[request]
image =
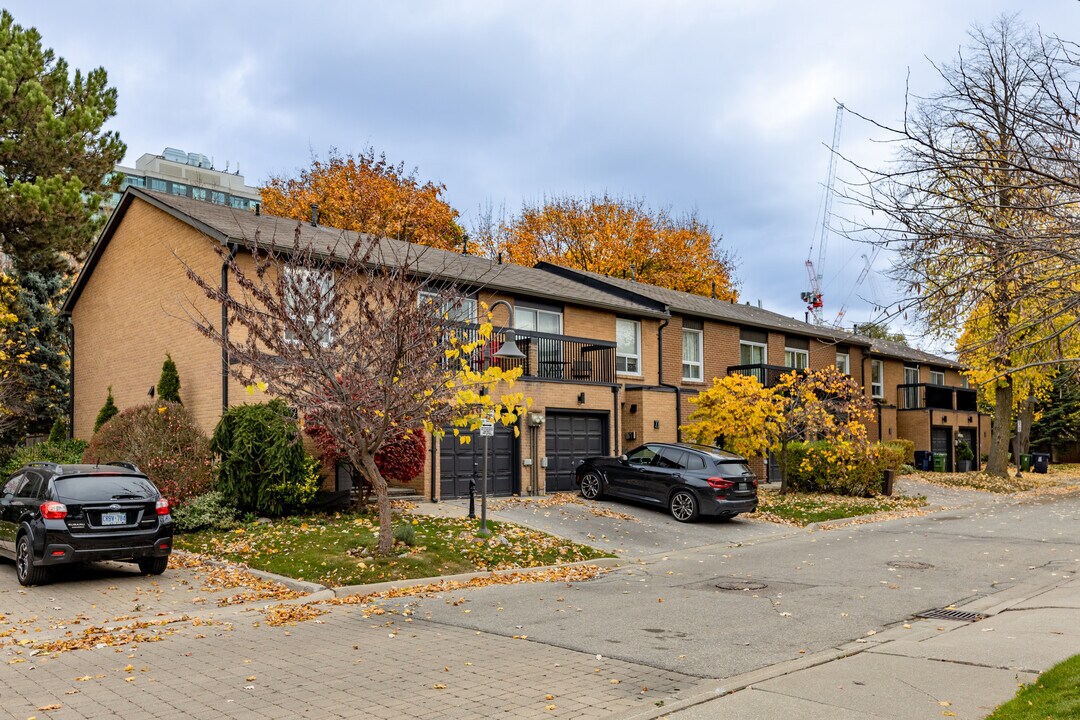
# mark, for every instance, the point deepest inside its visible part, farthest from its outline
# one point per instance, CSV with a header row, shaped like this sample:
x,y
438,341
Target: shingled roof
x,y
228,225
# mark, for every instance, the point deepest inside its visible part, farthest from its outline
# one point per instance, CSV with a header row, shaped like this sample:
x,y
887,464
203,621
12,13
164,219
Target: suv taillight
x,y
720,483
162,507
53,510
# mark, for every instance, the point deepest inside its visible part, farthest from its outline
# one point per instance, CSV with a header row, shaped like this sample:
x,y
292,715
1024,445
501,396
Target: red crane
x,y
813,297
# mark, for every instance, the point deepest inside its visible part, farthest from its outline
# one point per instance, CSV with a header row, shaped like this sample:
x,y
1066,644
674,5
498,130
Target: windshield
x,y
733,469
100,488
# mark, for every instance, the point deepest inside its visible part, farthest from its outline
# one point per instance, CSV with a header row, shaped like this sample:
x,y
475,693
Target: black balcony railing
x,y
767,375
927,396
547,356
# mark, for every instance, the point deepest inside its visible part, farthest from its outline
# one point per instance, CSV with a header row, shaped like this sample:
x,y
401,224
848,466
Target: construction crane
x,y
813,297
868,262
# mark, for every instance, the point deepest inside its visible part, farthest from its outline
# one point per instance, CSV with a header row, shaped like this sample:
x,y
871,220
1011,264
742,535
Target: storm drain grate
x,y
741,585
909,565
958,615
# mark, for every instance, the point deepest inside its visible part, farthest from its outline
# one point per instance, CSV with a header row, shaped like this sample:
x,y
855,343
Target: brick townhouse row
x,y
610,363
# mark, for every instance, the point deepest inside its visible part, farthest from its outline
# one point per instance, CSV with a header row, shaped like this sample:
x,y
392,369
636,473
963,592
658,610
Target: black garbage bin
x,y
923,460
1040,462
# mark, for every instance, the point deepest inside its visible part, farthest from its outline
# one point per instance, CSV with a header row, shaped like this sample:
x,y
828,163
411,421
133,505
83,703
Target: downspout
x,y
71,378
615,415
433,461
233,248
660,371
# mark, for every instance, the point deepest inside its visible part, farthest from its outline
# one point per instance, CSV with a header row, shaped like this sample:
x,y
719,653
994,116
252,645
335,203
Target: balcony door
x,y
549,351
911,394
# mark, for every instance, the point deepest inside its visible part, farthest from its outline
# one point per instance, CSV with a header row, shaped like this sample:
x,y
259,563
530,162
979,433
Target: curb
x,y
370,588
292,583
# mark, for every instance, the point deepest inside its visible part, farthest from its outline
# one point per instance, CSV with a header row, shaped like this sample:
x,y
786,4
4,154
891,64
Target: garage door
x,y
460,462
570,438
941,442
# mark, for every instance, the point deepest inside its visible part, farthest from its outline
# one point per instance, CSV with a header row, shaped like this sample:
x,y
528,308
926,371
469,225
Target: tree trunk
x,y
1027,419
1001,430
365,463
782,457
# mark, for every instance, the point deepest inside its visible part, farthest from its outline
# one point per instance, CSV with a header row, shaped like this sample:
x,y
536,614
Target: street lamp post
x,y
510,351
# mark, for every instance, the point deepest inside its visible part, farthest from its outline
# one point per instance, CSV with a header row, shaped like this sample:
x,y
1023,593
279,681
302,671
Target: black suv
x,y
53,514
690,480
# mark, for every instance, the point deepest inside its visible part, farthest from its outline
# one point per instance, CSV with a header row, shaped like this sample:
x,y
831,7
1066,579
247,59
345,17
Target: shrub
x,y
209,511
65,452
840,468
400,459
963,451
166,443
405,533
168,385
107,412
906,469
262,466
908,449
58,432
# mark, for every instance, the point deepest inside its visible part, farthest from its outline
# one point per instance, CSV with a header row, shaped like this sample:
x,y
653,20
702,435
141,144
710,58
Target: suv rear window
x,y
92,488
732,469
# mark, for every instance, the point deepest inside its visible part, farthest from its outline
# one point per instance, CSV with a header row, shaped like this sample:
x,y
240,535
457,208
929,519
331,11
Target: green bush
x,y
166,443
107,412
906,469
66,452
168,385
209,511
262,467
405,533
840,468
58,432
908,448
963,451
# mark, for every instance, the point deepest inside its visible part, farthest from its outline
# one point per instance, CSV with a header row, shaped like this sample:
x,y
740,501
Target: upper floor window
x,y
937,377
310,292
843,363
455,310
179,189
198,193
692,352
877,379
238,203
132,181
752,353
628,346
964,381
218,198
796,358
159,185
545,321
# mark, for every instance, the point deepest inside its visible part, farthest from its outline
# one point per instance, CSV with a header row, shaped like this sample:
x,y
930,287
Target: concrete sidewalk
x,y
926,668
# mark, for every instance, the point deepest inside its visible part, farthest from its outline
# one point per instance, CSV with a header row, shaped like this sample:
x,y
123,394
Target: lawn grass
x,y
804,508
336,549
1055,695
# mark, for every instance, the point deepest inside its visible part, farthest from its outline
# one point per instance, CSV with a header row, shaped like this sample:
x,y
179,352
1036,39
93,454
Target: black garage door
x,y
570,438
941,442
460,462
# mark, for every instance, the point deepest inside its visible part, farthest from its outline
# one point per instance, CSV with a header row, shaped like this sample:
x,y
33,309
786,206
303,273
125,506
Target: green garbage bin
x,y
1025,462
939,462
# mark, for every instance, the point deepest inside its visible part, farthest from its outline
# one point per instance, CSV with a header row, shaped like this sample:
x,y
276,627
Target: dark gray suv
x,y
52,514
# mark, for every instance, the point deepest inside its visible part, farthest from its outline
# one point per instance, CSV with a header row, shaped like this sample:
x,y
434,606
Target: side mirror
x,y
622,458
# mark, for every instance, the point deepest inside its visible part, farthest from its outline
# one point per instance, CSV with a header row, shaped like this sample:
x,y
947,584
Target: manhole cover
x,y
946,614
909,565
741,585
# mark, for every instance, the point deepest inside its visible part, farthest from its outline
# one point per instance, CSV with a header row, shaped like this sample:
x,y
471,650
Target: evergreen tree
x,y
59,431
1059,420
41,381
107,411
168,386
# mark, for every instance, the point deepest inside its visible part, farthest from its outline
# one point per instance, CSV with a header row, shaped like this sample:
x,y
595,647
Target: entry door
x,y
569,439
461,462
941,442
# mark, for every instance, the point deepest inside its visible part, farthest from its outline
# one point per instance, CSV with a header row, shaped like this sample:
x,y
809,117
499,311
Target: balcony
x,y
560,358
767,375
927,396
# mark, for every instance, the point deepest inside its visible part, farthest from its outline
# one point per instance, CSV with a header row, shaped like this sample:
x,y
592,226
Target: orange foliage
x,y
366,193
619,237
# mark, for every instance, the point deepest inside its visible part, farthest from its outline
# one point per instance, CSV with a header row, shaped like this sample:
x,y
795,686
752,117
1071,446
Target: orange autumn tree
x,y
367,193
616,236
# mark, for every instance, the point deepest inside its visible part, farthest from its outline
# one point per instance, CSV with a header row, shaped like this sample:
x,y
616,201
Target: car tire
x,y
27,573
683,506
153,565
592,486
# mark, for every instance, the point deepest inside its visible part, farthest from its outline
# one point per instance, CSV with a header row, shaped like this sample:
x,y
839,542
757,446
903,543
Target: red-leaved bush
x,y
400,459
164,441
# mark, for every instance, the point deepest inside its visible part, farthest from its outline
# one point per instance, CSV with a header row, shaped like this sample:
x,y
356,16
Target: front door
x,y
941,442
667,473
969,436
629,478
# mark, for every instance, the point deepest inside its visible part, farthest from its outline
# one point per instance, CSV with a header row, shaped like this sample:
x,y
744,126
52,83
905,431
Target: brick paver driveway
x,y
194,658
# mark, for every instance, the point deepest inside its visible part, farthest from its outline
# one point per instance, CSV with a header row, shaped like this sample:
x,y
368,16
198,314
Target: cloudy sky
x,y
722,106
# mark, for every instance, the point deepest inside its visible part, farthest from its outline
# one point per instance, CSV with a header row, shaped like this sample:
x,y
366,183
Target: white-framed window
x,y
796,358
461,310
693,342
843,363
545,321
964,382
628,346
752,353
877,379
911,394
317,289
937,377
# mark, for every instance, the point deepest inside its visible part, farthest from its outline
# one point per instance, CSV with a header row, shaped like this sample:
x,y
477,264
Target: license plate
x,y
743,487
114,518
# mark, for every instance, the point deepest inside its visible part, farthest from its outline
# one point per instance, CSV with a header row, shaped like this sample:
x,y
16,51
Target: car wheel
x,y
153,565
592,487
683,506
25,570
